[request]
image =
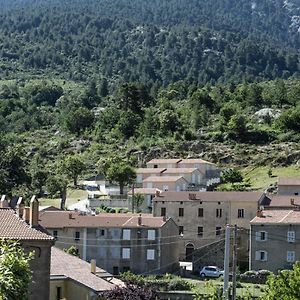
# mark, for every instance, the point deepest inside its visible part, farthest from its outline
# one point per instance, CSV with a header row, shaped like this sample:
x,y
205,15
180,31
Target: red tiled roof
x,y
164,161
289,181
12,227
194,161
278,217
209,196
283,201
150,170
63,264
61,219
179,170
163,179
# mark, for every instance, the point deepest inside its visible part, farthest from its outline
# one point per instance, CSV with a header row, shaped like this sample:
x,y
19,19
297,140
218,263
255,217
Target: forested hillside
x,y
88,81
153,42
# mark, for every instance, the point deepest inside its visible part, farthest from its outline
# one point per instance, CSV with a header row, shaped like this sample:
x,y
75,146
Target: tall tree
x,y
15,273
72,166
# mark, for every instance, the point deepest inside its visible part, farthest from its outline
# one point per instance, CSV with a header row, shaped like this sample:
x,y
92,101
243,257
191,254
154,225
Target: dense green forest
x,y
82,80
152,42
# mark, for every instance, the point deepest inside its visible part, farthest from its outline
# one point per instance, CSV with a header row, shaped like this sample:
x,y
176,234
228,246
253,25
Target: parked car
x,y
211,271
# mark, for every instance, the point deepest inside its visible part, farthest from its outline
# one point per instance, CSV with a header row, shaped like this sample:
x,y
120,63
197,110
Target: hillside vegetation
x,y
84,81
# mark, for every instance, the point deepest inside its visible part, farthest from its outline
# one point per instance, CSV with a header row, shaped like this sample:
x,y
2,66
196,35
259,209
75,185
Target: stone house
x,y
164,163
143,173
79,280
22,225
118,242
192,175
274,240
289,186
202,216
166,183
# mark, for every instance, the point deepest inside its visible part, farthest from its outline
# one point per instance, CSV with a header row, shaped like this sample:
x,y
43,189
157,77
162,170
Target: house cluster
x,y
163,175
185,223
55,274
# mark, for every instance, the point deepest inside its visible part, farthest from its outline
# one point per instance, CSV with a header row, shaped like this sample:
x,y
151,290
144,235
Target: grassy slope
x,y
259,176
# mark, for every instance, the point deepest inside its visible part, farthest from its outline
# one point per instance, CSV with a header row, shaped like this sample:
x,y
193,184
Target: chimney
x,y
34,212
292,202
192,196
93,266
4,202
20,207
157,193
70,216
165,218
26,214
140,220
259,213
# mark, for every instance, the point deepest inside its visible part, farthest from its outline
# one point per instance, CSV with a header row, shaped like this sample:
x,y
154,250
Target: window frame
x,y
152,256
127,252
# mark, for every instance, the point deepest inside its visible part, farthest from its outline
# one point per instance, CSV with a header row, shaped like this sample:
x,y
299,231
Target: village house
x,y
164,163
143,173
118,242
72,278
274,240
202,216
289,186
22,225
274,201
166,183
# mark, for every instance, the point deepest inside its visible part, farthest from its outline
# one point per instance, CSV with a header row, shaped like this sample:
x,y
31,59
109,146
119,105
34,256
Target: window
x,y
218,230
200,231
180,229
290,256
102,232
77,236
151,235
261,255
200,212
241,213
261,236
291,236
165,188
181,211
126,234
55,233
155,166
126,253
150,254
219,212
163,211
115,270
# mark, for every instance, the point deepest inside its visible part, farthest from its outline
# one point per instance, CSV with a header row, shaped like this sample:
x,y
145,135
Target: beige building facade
x,y
202,216
118,242
166,183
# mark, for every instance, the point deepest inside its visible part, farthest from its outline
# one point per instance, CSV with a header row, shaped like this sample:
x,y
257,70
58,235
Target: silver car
x,y
211,271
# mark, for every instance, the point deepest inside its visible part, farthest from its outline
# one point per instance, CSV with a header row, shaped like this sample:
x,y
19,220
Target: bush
x,y
179,285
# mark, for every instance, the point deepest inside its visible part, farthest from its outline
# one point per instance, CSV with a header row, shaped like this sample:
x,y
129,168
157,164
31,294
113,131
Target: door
x,y
189,249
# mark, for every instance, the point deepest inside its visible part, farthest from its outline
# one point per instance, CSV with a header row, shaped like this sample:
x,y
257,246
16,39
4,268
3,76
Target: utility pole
x,y
234,263
226,262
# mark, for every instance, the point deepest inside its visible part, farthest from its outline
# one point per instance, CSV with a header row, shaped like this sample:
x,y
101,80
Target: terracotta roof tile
x,y
289,181
63,264
164,161
163,179
179,170
61,219
283,201
278,217
150,170
12,227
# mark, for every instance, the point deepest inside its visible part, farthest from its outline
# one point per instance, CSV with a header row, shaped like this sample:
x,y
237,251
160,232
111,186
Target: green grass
x,y
260,180
73,196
